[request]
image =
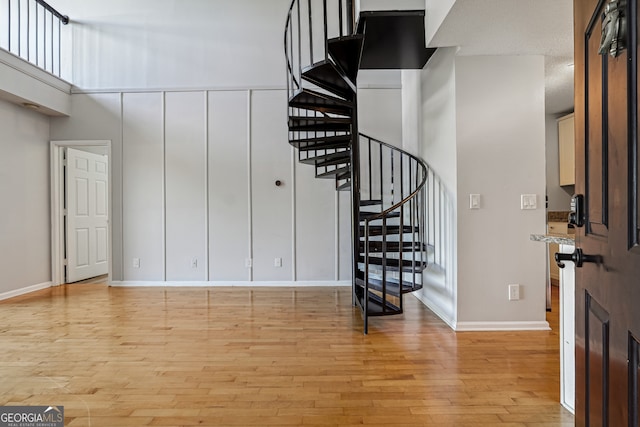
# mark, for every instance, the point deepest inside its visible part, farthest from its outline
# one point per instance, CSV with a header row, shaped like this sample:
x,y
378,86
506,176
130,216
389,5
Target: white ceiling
x,y
517,27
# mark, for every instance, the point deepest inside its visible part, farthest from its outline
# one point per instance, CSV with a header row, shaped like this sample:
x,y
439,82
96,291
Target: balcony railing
x,y
32,30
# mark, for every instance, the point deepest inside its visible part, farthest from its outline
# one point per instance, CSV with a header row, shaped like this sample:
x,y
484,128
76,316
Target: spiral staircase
x,y
387,184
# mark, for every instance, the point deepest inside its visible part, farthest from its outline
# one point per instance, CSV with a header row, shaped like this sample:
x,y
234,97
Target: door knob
x,y
578,258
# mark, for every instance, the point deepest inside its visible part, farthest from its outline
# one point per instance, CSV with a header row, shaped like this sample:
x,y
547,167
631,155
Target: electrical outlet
x,y
136,263
277,262
248,263
514,292
194,262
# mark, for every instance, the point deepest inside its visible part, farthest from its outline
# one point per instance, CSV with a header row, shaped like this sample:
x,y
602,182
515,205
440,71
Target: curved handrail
x,y
64,19
413,194
286,51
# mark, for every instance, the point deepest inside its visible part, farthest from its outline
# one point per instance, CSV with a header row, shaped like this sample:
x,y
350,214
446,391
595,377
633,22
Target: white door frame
x,y
57,214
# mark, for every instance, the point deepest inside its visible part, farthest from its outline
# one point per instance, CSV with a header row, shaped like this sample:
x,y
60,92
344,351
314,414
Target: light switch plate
x,y
528,201
474,201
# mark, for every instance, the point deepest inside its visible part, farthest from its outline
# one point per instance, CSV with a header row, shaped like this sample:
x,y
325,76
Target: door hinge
x,y
65,262
64,162
64,212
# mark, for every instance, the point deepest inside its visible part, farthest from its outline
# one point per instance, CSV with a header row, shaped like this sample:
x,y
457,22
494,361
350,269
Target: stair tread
x,y
392,285
345,174
347,53
325,75
333,173
394,263
328,144
317,101
370,202
375,306
377,230
319,123
366,215
330,159
375,246
310,140
344,186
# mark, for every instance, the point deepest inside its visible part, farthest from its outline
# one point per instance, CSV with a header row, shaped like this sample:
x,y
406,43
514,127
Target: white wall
x,y
175,44
436,12
21,82
559,197
24,189
380,114
192,96
482,130
194,178
500,137
436,98
98,117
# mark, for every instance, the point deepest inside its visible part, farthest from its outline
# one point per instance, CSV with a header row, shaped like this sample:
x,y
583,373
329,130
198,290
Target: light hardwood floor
x,y
266,357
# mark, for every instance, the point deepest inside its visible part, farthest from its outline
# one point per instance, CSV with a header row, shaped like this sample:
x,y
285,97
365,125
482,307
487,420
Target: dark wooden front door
x,y
608,285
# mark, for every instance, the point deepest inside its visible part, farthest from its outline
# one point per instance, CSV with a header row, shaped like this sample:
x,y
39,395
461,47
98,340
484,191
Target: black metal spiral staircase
x,y
387,184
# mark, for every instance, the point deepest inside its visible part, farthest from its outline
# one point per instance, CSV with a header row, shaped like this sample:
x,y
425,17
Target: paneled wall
x,y
194,194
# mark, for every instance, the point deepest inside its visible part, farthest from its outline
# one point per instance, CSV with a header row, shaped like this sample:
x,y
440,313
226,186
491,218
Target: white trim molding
x,y
22,291
502,326
57,214
217,284
436,310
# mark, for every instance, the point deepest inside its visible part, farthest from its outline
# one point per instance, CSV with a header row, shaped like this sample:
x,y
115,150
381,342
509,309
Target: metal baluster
x,y
384,263
412,224
381,175
393,194
423,231
287,47
37,38
340,16
299,47
401,225
310,33
59,49
44,40
51,43
365,302
326,38
9,24
19,29
369,171
28,30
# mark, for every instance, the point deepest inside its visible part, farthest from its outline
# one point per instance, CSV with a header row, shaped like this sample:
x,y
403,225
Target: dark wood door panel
x,y
607,292
596,362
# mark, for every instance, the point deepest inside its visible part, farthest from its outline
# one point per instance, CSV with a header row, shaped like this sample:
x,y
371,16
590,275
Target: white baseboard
x,y
445,317
272,284
503,326
22,291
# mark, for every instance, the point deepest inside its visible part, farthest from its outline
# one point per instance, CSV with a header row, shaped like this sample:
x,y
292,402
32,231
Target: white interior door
x,y
86,201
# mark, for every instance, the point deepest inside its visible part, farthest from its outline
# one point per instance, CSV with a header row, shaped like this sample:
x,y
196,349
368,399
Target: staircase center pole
x,y
355,195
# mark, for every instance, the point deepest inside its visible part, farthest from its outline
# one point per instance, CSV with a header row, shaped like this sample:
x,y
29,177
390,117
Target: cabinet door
x,y
566,150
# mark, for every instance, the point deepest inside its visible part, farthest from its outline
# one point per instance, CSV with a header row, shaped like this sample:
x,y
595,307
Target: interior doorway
x,y
80,210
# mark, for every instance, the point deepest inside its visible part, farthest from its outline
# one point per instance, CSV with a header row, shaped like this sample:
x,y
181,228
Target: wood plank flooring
x,y
266,357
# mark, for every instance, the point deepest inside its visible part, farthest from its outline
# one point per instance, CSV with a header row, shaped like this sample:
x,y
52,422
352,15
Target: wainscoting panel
x,y
229,233
142,190
185,170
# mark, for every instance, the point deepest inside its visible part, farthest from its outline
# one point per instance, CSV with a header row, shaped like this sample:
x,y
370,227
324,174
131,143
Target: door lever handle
x,y
578,258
